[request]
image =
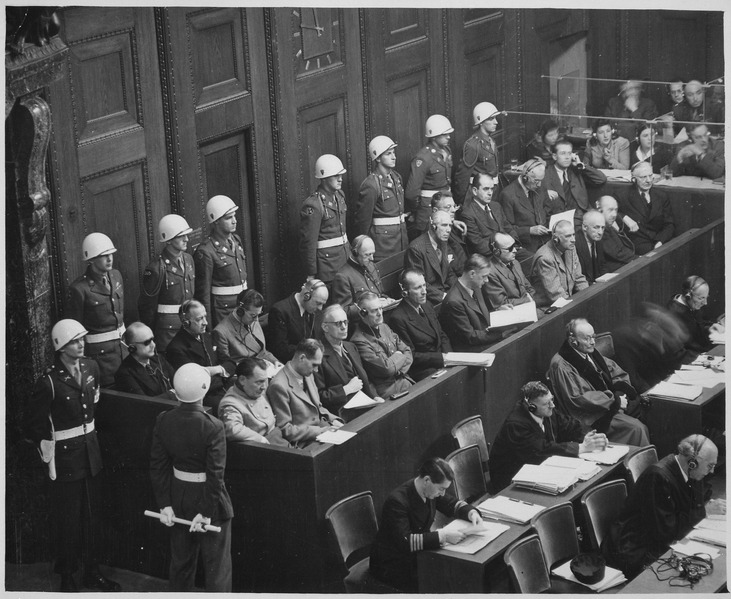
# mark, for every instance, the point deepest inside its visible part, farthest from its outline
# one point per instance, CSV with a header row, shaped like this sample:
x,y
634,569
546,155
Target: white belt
x,y
70,433
331,243
189,477
233,290
168,308
389,220
114,335
427,193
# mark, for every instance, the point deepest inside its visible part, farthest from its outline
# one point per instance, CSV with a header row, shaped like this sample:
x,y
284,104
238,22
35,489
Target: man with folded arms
x,y
594,389
534,431
506,284
618,248
341,374
415,321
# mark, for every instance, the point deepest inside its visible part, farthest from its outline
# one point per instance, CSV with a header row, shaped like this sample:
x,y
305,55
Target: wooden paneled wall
x,y
162,108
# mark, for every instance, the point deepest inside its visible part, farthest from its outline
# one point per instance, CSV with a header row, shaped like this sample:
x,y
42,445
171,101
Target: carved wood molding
x,y
364,74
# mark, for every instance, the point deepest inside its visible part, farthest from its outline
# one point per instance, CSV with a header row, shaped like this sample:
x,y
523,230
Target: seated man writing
x,y
144,371
534,431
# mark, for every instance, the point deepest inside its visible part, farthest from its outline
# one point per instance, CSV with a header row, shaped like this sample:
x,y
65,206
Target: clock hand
x,y
318,29
317,23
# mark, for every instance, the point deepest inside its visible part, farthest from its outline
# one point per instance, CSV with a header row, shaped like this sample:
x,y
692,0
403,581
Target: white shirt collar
x,y
682,471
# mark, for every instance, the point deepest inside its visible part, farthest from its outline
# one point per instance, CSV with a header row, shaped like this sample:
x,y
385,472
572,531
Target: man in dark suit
x,y
187,462
506,283
465,313
415,321
484,217
341,374
524,204
144,371
646,211
618,247
192,343
293,319
589,246
567,179
429,253
443,201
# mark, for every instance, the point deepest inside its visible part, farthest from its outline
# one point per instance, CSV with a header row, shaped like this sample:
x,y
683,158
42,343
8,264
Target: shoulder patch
x,y
419,163
308,210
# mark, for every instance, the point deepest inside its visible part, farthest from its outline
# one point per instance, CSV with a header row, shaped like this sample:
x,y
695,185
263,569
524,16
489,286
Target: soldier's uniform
x,y
187,462
379,213
431,170
97,302
62,409
479,155
165,285
220,270
323,240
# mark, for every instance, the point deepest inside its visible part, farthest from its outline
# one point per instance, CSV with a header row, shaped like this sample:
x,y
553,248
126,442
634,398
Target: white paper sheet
x,y
566,215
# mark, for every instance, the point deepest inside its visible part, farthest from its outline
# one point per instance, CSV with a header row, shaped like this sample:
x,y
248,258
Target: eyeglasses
x,y
513,248
146,342
338,323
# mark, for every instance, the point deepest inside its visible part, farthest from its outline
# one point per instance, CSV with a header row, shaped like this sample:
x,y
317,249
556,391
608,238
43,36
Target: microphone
x,y
717,80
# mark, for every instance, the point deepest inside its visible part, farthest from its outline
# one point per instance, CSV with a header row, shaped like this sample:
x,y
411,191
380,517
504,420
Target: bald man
x,y
668,499
144,371
506,284
589,246
618,247
695,107
555,270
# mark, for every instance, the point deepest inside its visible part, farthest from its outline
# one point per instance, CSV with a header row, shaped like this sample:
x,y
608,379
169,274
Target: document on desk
x,y
689,547
606,277
456,358
611,578
583,469
705,377
478,535
509,509
360,400
561,302
675,391
521,314
565,215
617,174
611,454
336,437
706,535
545,479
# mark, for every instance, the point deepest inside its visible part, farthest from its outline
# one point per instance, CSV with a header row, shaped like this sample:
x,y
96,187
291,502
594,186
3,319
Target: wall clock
x,y
316,35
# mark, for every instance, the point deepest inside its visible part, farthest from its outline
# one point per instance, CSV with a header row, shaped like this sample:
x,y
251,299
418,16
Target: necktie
x,y
566,186
439,254
105,282
420,311
309,324
483,307
230,243
77,374
646,196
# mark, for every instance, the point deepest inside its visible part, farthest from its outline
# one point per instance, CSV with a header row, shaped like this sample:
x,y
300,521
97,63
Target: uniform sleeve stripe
x,y
416,542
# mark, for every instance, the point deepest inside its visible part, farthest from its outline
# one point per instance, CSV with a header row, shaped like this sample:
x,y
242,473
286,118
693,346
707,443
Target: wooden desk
x,y
647,582
442,571
670,420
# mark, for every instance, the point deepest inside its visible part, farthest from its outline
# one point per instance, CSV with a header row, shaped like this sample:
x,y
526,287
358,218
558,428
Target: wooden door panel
x,y
404,26
408,110
322,130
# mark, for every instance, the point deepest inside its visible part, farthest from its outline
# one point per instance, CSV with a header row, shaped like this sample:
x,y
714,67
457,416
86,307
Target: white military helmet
x,y
172,226
65,331
484,111
328,165
219,206
379,145
191,382
437,125
95,245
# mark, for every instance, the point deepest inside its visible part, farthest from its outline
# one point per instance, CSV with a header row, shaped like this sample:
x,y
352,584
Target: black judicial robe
x,y
661,508
697,327
521,441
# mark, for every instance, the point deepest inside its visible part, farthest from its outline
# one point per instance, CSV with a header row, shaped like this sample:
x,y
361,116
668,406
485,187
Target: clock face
x,y
316,35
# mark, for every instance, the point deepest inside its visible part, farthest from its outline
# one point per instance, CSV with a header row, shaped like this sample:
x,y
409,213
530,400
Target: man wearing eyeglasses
x,y
506,283
668,499
594,389
144,371
341,374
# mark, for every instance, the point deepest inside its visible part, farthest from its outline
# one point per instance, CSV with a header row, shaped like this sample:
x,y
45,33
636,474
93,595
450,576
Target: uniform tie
x,y
77,374
646,196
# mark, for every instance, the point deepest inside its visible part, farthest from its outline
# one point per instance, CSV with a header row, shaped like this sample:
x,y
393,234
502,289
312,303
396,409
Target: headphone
x,y
594,140
131,347
692,283
184,307
402,283
367,295
693,460
691,568
357,244
310,287
532,408
530,166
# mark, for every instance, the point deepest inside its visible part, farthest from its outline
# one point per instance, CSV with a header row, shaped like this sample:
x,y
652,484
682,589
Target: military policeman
x,y
168,281
60,419
379,211
479,154
431,170
220,263
187,461
323,240
96,299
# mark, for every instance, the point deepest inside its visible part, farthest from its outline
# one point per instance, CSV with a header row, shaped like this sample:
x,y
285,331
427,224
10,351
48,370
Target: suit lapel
x,y
332,358
431,255
298,391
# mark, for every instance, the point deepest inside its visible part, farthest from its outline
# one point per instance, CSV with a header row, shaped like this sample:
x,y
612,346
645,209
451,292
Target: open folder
x,y
521,314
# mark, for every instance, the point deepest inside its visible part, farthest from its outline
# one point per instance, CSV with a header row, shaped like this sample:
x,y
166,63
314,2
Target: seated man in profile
x,y
415,321
465,313
663,506
594,389
618,247
506,284
702,157
341,374
144,371
294,398
385,357
358,275
589,246
534,431
555,270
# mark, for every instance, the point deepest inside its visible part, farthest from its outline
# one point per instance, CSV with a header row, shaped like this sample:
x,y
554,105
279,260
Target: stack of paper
x,y
583,469
617,174
455,358
509,509
704,377
707,361
611,578
478,535
545,479
709,531
567,215
689,547
606,277
361,401
611,454
521,314
667,390
336,437
561,302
